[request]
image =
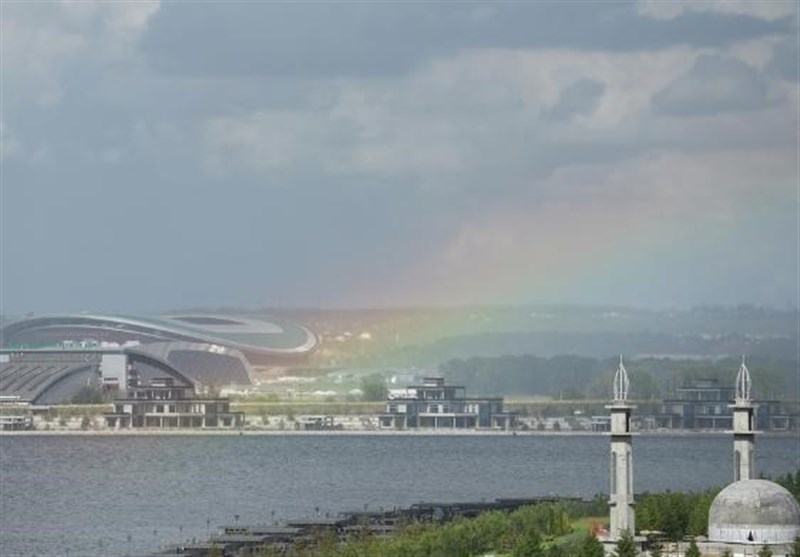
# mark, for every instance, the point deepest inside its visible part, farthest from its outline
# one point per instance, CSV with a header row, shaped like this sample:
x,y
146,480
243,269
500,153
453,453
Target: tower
x,y
744,442
620,502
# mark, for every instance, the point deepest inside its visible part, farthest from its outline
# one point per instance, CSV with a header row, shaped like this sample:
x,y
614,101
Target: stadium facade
x,y
46,359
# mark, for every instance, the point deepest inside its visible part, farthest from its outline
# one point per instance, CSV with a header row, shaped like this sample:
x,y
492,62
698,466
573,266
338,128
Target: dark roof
x,y
28,380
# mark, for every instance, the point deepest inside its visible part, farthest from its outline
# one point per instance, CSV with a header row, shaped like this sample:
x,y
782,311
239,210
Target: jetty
x,y
241,540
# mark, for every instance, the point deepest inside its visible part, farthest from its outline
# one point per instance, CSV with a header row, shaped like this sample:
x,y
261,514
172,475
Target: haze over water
x,y
84,495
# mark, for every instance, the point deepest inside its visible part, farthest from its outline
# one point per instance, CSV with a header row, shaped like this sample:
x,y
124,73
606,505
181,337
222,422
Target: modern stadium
x,y
212,350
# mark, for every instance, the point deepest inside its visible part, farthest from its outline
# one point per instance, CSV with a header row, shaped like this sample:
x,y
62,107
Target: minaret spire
x,y
621,383
743,384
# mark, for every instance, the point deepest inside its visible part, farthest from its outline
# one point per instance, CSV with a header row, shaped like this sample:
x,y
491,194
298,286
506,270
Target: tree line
x,y
579,377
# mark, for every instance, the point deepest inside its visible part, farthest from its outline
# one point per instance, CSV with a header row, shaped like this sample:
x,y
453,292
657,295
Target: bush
x,y
529,546
693,550
374,388
626,547
86,421
591,547
655,550
88,395
676,514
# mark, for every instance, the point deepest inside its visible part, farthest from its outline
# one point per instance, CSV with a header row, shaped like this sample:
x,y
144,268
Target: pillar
x,y
744,438
621,502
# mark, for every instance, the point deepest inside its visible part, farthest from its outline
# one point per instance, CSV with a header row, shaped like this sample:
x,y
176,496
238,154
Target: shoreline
x,y
143,432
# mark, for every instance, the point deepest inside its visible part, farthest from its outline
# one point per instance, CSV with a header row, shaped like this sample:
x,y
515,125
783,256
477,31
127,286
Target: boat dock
x,y
240,540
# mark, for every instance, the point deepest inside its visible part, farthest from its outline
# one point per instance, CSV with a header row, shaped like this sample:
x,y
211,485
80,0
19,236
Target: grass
x,y
580,528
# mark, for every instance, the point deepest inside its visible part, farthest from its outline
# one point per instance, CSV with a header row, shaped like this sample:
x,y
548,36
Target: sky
x,y
170,155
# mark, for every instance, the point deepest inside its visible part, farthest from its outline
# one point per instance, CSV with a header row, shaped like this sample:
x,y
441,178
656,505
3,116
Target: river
x,y
115,495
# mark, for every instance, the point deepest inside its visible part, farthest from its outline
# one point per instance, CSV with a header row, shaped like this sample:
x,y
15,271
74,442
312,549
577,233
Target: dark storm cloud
x,y
256,153
331,39
714,85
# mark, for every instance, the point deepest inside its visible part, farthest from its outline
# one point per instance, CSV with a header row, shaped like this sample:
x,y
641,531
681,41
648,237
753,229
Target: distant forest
x,y
579,377
594,345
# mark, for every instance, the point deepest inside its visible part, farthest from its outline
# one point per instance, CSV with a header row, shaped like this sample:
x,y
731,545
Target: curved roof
x,y
28,381
754,510
48,377
244,333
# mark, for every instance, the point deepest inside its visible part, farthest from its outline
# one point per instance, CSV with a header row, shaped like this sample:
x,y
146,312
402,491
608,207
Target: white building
x,y
744,517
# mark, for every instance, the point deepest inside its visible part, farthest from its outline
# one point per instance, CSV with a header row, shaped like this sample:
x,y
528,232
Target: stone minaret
x,y
744,443
621,489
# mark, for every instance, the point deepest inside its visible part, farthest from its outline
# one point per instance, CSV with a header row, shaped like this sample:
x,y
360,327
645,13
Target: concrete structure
x,y
44,377
621,503
754,512
28,373
438,406
219,347
15,423
159,396
750,513
745,516
744,445
700,404
705,404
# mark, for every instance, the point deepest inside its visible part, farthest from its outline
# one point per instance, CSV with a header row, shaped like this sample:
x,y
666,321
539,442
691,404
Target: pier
x,y
240,540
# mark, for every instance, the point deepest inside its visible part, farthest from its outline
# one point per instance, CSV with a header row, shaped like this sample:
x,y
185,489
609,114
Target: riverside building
x,y
168,400
704,404
435,405
215,350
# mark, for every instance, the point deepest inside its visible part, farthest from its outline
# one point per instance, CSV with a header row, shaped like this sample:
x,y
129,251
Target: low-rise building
x,y
168,400
16,423
438,406
705,404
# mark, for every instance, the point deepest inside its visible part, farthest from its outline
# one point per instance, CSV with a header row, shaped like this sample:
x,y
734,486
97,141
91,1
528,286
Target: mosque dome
x,y
759,511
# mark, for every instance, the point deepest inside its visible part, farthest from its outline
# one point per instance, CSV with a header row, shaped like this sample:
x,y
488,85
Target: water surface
x,y
113,495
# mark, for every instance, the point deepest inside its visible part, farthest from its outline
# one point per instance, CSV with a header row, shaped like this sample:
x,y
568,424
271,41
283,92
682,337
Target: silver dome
x,y
756,511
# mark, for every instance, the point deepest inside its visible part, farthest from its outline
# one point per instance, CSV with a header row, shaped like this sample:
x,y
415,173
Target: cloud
x,y
579,98
714,85
13,149
691,204
497,119
10,146
44,42
769,10
319,40
444,140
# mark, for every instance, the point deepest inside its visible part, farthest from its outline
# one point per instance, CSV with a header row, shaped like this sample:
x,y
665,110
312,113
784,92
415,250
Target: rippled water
x,y
106,495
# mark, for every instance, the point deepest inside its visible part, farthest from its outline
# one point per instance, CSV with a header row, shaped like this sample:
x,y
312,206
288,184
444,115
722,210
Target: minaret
x,y
744,442
621,489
